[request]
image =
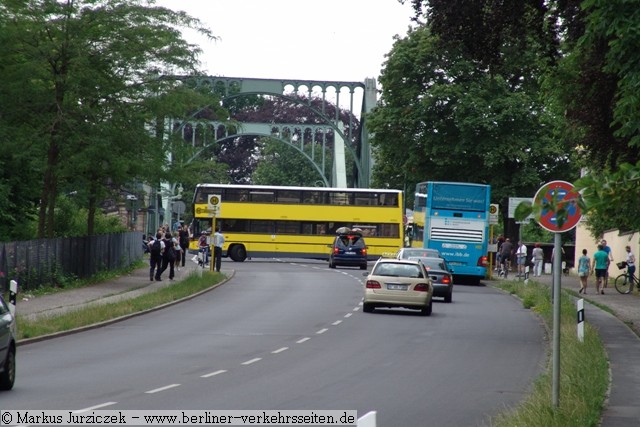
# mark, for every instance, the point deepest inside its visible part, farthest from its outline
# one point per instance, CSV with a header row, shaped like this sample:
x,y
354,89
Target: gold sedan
x,y
398,283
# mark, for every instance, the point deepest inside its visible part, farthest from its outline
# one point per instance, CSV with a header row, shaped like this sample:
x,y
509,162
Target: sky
x,y
336,40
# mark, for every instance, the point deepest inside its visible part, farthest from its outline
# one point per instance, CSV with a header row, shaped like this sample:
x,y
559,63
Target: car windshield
x,y
433,264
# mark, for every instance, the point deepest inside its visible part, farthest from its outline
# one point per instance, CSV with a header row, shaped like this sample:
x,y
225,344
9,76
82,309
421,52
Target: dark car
x,y
7,347
440,274
348,249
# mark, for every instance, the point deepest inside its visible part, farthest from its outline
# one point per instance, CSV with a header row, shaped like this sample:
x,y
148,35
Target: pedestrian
x,y
218,242
183,238
505,256
584,266
600,268
631,265
537,257
156,249
521,258
499,242
607,249
203,245
178,250
168,256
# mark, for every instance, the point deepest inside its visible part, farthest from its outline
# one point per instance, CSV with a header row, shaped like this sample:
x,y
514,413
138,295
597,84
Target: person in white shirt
x,y
218,242
631,264
521,258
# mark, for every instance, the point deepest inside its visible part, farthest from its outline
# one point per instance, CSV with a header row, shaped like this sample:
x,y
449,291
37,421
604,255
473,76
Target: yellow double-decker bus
x,y
296,222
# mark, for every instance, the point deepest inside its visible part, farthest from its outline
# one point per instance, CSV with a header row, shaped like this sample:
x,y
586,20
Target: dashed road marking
x,y
249,362
280,350
91,408
211,374
167,387
300,341
322,331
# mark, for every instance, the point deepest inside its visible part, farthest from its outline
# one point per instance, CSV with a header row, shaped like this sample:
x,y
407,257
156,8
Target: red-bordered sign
x,y
566,197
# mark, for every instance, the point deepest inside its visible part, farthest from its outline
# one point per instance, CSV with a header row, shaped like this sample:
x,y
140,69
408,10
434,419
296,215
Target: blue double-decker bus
x,y
453,217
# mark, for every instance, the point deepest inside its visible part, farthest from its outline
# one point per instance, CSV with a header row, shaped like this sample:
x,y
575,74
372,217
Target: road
x,y
292,335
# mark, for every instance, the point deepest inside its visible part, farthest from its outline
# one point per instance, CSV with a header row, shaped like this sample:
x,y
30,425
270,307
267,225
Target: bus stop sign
x,y
563,195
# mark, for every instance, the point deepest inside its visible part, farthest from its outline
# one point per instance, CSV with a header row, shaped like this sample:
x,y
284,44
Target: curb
x,y
27,341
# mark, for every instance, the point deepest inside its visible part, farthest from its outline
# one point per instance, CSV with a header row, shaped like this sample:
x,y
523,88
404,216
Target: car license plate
x,y
350,253
393,287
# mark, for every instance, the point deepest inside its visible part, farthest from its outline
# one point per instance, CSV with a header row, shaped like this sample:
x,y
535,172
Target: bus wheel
x,y
238,253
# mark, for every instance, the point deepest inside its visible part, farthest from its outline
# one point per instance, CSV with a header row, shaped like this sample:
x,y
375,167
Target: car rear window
x,y
397,270
344,241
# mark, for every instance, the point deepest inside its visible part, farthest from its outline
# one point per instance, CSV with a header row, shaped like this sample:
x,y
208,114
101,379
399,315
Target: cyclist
x,y
631,264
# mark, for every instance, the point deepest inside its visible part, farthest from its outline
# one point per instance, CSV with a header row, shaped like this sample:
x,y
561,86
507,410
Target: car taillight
x,y
336,250
364,251
373,284
446,280
421,287
483,261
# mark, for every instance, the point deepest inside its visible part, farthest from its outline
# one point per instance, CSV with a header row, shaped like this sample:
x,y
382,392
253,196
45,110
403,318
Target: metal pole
x,y
557,270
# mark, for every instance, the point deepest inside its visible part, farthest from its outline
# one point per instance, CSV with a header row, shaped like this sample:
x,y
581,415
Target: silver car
x,y
7,347
406,253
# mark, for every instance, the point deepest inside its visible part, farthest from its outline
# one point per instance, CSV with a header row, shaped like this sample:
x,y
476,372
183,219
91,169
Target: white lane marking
x,y
300,341
249,362
337,322
356,308
102,405
322,331
348,315
167,387
210,374
280,350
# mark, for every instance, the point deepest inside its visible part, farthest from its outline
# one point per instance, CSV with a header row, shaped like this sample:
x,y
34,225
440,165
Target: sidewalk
x,y
619,333
127,286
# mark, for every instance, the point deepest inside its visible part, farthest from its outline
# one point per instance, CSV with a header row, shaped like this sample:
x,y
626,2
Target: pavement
x,y
619,331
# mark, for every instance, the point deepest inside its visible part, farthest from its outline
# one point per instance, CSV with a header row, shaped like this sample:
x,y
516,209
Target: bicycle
x,y
623,283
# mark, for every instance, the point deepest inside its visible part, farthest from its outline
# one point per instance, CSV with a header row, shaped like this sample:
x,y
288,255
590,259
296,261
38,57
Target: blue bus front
x,y
457,224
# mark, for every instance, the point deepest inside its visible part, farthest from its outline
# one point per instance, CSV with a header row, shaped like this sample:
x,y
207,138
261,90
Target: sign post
x,y
214,203
494,208
557,211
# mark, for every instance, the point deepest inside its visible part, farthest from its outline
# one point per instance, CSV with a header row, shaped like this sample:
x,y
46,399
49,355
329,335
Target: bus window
x,y
288,196
262,196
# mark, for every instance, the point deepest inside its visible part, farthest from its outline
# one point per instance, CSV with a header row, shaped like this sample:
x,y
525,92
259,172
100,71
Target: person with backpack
x,y
169,255
184,242
156,248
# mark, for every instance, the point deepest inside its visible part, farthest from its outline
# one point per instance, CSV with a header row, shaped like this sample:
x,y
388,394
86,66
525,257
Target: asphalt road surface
x,y
292,335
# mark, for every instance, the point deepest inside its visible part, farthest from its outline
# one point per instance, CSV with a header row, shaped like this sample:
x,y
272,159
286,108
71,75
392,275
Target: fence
x,y
36,263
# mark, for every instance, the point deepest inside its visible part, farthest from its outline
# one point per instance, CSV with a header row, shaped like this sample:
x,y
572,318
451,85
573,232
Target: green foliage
x,y
443,117
81,87
612,199
281,164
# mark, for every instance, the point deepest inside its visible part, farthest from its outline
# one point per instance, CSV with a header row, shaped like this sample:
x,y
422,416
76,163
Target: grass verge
x,y
584,369
193,284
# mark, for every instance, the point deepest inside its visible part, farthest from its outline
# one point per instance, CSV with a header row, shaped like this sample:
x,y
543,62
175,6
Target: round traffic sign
x,y
493,209
551,198
214,200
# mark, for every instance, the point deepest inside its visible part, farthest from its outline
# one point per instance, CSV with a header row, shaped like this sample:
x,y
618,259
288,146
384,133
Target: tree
x,y
281,164
79,75
442,116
